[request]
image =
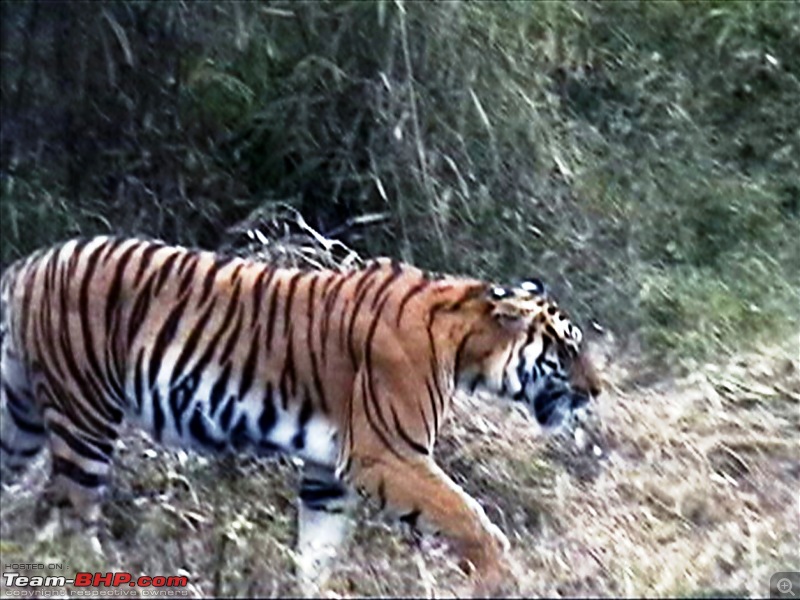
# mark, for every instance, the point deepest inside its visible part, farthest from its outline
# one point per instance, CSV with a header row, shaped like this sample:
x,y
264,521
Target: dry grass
x,y
695,493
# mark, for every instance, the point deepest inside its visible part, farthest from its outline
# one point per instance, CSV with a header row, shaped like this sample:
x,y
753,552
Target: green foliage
x,y
641,157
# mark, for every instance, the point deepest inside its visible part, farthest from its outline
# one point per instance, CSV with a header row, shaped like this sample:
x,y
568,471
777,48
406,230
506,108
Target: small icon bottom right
x,y
785,584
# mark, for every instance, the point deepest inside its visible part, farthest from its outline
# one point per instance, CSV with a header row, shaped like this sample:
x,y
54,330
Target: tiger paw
x,y
498,583
499,538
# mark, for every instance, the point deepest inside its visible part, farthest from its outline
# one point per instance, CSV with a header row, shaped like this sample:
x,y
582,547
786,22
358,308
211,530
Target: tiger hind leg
x,y
81,463
324,522
22,431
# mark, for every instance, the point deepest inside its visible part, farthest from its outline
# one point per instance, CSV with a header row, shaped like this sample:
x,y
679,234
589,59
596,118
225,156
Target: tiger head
x,y
529,350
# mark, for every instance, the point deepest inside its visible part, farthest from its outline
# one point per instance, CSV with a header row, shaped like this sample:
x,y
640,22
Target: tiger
x,y
351,371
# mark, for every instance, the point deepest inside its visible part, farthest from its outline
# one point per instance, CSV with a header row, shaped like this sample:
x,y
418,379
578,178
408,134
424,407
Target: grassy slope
x,y
694,494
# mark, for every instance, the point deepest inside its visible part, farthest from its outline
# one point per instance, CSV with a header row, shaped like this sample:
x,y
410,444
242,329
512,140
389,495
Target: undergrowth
x,y
641,157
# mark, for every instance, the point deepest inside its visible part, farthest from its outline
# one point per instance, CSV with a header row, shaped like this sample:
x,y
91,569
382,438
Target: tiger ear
x,y
507,312
533,286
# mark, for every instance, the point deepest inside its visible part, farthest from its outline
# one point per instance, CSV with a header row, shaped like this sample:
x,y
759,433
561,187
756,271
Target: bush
x,y
640,157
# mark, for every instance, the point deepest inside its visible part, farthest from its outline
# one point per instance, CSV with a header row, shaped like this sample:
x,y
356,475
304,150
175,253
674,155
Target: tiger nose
x,y
578,400
585,379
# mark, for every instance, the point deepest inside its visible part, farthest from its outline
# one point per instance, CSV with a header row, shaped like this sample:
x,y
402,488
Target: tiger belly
x,y
209,420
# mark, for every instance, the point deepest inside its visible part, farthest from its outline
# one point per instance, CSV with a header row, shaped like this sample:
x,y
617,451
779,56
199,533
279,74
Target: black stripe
x,y
331,278
236,276
318,387
165,335
434,366
381,435
288,381
87,389
312,288
197,429
316,494
233,337
404,434
158,415
144,261
273,306
76,474
74,258
366,275
24,453
330,302
432,402
310,345
472,292
460,354
424,418
287,309
411,518
188,277
208,283
248,370
180,398
111,246
25,425
240,436
164,271
410,294
112,298
511,355
382,494
227,414
395,274
138,381
354,317
226,322
219,389
15,401
102,453
188,257
191,343
258,291
368,344
220,262
208,353
299,440
267,419
139,310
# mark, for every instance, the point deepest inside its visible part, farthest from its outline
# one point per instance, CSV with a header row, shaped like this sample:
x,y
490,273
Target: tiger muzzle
x,y
557,403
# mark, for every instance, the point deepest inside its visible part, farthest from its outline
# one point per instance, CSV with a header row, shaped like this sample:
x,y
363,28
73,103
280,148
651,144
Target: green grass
x,y
641,157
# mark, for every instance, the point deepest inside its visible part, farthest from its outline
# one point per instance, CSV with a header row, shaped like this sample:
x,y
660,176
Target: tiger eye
x,y
498,293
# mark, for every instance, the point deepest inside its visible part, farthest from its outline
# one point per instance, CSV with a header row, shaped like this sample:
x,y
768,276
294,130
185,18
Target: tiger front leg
x,y
421,493
324,523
